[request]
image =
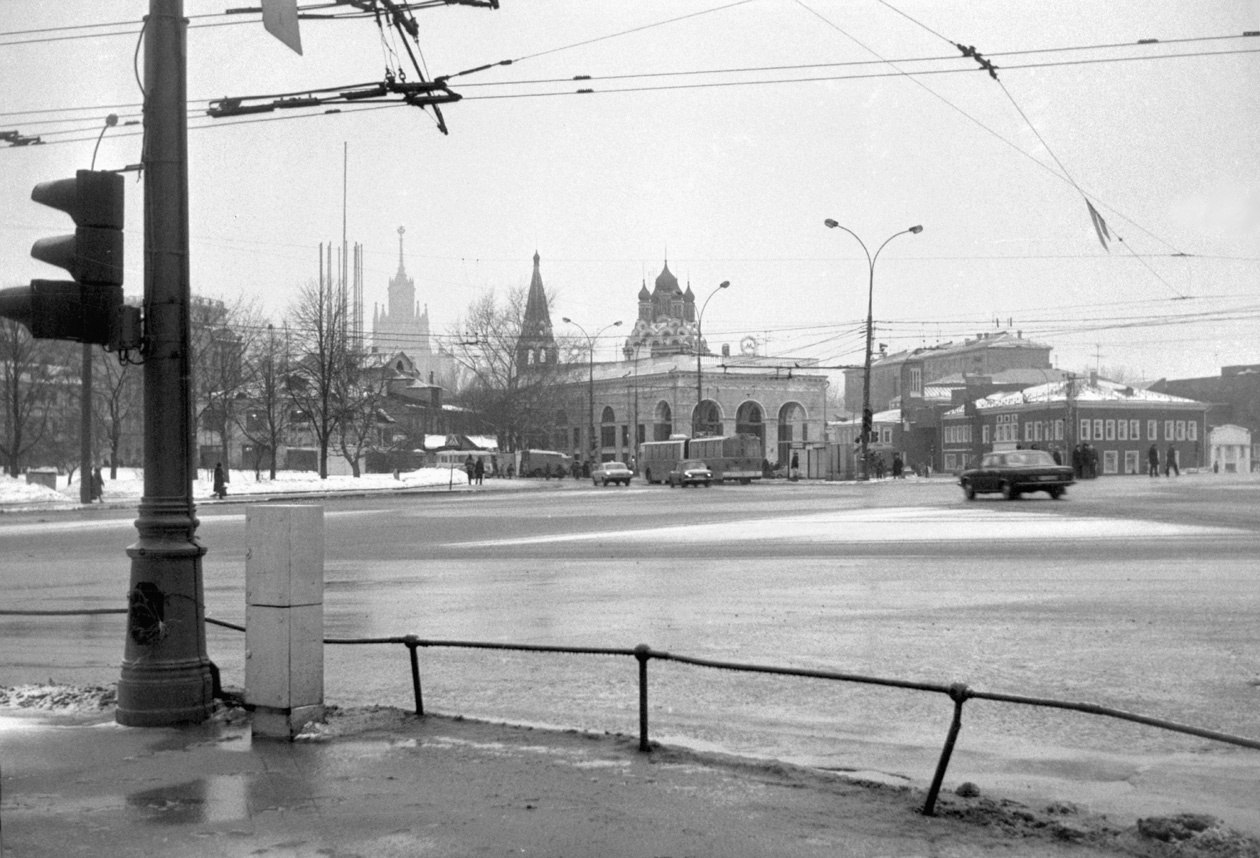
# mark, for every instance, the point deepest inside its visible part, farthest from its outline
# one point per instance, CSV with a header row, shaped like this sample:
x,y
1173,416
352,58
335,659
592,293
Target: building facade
x,y
1119,422
668,383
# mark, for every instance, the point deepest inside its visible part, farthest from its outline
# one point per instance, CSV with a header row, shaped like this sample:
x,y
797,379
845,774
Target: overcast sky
x,y
719,134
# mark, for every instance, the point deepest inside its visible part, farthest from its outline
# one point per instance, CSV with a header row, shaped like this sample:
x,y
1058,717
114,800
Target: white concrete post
x,y
284,617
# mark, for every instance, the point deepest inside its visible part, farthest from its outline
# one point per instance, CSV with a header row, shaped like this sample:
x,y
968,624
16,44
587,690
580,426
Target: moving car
x,y
1016,472
611,472
690,472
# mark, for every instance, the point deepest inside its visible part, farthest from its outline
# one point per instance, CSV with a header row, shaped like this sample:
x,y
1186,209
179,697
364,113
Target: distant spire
x,y
401,230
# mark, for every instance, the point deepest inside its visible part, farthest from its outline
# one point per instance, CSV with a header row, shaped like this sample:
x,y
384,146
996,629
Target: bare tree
x,y
28,370
116,388
265,420
518,404
319,327
221,338
361,390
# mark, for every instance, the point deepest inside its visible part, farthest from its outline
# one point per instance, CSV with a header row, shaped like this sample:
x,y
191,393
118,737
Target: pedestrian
x,y
1056,455
469,467
220,481
1170,462
1078,461
1152,461
898,467
511,470
794,473
479,470
98,485
1091,461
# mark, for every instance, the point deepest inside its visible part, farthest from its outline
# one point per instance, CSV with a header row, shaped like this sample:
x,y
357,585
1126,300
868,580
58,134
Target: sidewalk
x,y
380,782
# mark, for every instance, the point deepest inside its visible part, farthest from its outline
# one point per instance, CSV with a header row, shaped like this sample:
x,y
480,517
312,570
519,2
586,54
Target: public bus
x,y
457,458
729,457
543,463
656,458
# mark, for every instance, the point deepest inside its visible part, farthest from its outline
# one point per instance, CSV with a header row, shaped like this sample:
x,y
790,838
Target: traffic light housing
x,y
88,309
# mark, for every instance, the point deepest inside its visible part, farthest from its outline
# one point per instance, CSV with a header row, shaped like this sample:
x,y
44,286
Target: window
x,y
1122,430
1111,461
1168,430
1152,430
1181,430
885,435
1028,431
984,434
1130,461
1098,429
1085,434
1135,430
1058,430
1192,430
916,379
1110,430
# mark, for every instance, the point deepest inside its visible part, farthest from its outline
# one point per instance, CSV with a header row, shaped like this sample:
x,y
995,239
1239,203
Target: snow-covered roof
x,y
1099,391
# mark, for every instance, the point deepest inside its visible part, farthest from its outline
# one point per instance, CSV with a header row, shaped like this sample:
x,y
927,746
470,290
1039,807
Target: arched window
x,y
607,428
750,420
706,419
662,421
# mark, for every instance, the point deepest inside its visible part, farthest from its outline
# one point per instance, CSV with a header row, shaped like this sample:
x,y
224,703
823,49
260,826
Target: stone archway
x,y
750,420
792,429
706,419
662,421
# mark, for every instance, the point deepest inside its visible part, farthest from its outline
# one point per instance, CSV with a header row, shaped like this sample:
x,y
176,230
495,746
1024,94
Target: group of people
x,y
1085,461
1170,461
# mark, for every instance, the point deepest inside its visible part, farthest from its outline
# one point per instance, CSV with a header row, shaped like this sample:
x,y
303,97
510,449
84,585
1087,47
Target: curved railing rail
x,y
959,693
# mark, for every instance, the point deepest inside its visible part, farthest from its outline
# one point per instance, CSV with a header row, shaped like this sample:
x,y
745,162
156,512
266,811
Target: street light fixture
x,y
590,378
867,416
695,428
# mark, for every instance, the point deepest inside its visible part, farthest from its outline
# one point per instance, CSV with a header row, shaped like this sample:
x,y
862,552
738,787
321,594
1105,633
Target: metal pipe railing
x,y
959,693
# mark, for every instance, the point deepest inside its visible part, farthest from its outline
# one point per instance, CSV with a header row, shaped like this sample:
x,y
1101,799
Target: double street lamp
x,y
695,429
590,382
867,415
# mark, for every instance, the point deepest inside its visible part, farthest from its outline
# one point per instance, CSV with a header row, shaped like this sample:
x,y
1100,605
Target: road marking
x,y
69,524
903,524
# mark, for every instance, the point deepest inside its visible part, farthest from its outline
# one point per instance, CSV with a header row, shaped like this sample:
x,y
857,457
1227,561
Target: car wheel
x,y
708,485
1056,493
1009,492
969,490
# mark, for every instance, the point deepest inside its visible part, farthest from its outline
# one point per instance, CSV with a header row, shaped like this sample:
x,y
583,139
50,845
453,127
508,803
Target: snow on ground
x,y
17,494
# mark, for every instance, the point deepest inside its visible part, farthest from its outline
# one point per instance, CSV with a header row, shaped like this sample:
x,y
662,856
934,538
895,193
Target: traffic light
x,y
868,424
90,308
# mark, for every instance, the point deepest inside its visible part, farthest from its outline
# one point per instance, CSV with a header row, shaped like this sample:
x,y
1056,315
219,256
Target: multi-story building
x,y
668,382
1119,422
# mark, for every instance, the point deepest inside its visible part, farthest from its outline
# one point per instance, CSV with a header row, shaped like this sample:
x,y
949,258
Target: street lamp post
x,y
867,416
590,377
699,340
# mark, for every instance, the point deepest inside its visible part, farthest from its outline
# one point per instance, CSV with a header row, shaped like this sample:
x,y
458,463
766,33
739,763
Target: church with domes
x,y
669,382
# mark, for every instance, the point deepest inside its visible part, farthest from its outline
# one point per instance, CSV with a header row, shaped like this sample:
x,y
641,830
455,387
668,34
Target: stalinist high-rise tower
x,y
401,325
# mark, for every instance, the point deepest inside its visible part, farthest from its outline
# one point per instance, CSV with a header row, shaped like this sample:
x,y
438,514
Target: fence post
x,y
412,642
958,692
643,652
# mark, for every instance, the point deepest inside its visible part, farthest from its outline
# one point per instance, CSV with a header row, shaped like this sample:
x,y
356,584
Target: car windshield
x,y
614,466
692,464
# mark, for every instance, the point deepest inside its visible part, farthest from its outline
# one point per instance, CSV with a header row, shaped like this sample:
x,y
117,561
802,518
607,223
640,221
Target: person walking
x,y
1152,461
898,467
794,473
1170,462
98,485
220,481
469,467
479,470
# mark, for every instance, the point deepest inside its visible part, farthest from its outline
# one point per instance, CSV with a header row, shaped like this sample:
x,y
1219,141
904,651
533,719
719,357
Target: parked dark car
x,y
611,472
690,472
1016,472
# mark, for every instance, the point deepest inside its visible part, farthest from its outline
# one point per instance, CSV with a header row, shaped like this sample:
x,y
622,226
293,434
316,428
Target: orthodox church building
x,y
667,319
668,382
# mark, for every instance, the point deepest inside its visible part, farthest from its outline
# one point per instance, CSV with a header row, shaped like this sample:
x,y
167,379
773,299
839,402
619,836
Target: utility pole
x,y
166,676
